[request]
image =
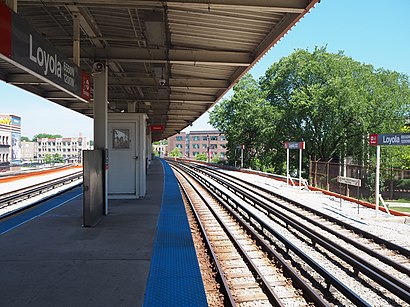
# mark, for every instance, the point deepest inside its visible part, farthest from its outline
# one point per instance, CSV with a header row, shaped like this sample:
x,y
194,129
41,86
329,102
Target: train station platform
x,y
140,250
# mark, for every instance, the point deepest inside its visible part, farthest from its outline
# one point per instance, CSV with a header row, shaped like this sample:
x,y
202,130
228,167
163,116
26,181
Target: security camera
x,y
98,66
162,82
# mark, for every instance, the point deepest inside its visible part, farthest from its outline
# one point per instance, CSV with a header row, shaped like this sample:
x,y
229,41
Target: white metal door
x,y
122,159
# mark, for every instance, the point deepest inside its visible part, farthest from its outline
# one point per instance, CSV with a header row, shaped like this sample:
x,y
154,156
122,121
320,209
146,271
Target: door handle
x,y
136,157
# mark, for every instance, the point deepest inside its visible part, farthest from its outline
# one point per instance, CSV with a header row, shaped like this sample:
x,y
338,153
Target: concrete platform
x,y
53,261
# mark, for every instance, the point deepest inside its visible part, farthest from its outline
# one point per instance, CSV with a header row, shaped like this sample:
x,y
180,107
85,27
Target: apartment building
x,y
29,151
209,142
178,141
69,148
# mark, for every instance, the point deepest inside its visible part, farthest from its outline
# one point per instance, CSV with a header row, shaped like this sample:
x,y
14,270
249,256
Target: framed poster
x,y
120,138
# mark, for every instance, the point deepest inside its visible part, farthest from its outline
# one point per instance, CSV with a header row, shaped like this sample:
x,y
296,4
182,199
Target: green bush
x,y
404,184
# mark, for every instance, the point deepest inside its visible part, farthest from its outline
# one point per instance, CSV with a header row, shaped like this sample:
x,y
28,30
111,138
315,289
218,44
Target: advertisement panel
x,y
37,56
15,147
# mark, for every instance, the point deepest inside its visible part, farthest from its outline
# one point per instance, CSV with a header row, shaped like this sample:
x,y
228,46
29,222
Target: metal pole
x,y
287,166
377,192
207,138
300,168
242,156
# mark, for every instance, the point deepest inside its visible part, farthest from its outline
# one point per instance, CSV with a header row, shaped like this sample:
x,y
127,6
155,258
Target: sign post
x,y
294,145
242,148
402,139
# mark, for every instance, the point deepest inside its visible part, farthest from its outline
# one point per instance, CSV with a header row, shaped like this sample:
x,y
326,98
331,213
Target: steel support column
x,y
76,40
100,121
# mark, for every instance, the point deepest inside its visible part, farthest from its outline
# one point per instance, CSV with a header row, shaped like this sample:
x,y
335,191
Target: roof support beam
x,y
282,6
188,57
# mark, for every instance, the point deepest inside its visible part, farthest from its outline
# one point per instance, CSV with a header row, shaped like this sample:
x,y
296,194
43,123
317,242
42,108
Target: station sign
x,y
157,128
350,181
295,145
26,48
389,139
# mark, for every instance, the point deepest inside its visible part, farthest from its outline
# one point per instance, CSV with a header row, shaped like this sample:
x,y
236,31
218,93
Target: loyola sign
x,y
27,49
389,139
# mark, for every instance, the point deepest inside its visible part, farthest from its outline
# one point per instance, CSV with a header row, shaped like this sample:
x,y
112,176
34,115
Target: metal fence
x,y
395,183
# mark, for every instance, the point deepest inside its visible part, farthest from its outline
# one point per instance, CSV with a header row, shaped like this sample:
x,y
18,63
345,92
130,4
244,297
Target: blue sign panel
x,y
391,139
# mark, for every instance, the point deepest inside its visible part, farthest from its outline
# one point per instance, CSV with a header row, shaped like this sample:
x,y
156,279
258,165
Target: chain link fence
x,y
395,183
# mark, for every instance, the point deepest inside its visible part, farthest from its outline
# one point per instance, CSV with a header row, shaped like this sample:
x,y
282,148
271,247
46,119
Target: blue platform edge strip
x,y
174,277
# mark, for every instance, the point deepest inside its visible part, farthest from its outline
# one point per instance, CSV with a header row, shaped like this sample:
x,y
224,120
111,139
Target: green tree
x,y
328,100
175,153
25,139
332,102
46,135
201,157
247,119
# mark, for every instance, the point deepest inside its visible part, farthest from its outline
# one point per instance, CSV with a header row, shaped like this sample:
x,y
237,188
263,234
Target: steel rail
x,y
34,190
329,278
390,245
271,295
398,266
396,286
228,298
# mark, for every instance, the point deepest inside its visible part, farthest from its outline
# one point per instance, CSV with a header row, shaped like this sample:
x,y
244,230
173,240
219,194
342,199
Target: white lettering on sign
x,y
391,140
405,139
46,60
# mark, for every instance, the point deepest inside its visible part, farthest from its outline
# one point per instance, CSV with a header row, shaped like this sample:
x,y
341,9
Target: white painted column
x,y
242,156
300,168
377,189
100,120
76,39
287,166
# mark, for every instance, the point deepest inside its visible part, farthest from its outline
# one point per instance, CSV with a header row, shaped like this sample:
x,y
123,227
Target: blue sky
x,y
371,31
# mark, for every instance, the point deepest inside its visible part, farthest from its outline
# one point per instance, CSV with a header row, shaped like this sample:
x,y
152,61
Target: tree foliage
x,y
328,100
175,153
201,157
25,139
45,136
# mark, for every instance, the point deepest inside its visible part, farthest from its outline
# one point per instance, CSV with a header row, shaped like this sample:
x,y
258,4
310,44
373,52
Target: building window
x,y
222,138
213,146
178,146
204,138
179,138
195,146
204,146
214,138
195,138
195,153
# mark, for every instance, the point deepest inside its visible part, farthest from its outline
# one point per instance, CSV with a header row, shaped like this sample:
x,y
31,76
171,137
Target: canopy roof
x,y
171,59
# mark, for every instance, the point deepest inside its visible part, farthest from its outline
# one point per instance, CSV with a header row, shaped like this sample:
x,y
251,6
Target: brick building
x,y
209,142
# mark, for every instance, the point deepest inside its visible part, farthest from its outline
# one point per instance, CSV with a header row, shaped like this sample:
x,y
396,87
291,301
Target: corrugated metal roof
x,y
200,48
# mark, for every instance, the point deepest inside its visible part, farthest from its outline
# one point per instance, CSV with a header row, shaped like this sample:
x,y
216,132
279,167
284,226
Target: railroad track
x,y
243,261
353,263
17,196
